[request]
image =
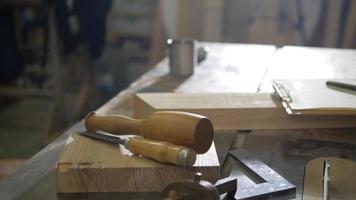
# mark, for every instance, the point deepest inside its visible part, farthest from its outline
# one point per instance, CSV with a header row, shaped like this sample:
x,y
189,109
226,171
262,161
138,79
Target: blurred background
x,y
60,59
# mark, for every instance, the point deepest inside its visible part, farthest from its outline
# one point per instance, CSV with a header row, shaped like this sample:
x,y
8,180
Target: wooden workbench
x,y
227,68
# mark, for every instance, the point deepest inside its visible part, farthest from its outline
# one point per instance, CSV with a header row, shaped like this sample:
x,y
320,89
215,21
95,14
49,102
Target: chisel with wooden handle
x,y
180,128
164,152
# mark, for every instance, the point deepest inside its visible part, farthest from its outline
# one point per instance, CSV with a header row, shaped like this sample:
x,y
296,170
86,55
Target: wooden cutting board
x,y
237,111
87,165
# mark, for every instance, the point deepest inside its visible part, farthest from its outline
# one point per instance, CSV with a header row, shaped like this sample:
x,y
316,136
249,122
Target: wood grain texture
x,y
86,165
237,111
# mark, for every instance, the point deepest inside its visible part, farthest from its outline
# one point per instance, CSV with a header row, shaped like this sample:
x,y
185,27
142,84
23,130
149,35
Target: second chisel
x,y
164,152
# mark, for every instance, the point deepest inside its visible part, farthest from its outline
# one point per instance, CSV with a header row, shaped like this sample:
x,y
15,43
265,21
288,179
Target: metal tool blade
x,y
227,185
268,183
104,137
326,180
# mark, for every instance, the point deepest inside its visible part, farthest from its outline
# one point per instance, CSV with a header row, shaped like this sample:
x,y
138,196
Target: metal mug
x,y
183,56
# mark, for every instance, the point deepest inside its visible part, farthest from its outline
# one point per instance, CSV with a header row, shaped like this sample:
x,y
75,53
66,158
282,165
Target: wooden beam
x,y
237,111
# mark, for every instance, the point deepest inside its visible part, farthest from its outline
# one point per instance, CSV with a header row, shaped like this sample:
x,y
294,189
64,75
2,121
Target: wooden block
x,y
237,111
86,165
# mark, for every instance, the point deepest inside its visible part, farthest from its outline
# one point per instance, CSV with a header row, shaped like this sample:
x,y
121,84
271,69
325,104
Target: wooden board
x,y
342,179
86,165
303,96
317,63
237,111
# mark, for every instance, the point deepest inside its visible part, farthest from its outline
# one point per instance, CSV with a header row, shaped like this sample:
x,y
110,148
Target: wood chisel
x,y
180,128
164,152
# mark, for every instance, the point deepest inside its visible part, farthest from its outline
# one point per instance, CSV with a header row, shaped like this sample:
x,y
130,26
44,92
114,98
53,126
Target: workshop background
x,y
60,59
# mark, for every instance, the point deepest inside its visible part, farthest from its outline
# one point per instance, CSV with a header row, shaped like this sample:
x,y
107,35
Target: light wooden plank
x,y
86,165
237,111
230,68
293,62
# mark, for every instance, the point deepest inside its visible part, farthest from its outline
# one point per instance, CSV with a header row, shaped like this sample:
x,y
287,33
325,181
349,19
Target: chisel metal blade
x,y
104,137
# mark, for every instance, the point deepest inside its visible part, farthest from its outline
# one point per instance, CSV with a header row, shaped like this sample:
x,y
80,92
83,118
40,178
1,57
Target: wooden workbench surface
x,y
227,68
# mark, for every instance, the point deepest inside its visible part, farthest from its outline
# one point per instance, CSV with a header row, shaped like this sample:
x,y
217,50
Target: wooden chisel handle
x,y
115,124
164,152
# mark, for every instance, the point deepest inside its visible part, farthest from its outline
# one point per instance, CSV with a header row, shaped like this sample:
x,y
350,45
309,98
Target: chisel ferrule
x,y
186,157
